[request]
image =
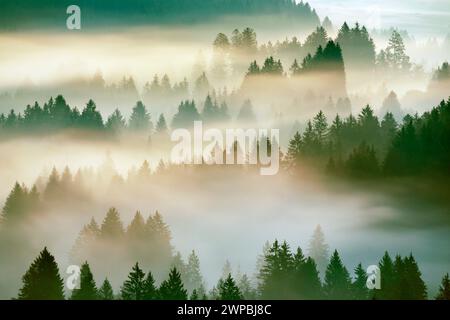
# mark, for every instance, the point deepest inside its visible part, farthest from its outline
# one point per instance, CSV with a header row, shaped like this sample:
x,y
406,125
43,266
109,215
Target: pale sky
x,y
420,17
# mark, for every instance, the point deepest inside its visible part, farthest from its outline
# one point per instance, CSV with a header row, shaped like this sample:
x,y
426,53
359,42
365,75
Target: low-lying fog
x,y
222,215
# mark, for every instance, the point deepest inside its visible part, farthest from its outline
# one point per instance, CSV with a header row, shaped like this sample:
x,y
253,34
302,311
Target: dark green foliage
x,y
105,292
172,288
150,290
401,279
228,290
134,287
362,162
359,286
337,284
444,289
90,118
42,280
156,12
88,289
363,147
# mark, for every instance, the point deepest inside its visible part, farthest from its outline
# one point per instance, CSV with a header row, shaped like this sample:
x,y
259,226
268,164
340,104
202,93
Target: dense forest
x,y
50,13
89,176
364,146
283,274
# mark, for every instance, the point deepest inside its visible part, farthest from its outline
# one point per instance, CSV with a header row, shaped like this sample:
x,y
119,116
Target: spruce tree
x,y
88,289
172,288
228,290
42,280
134,287
106,291
112,227
359,286
318,249
444,289
194,278
150,290
337,279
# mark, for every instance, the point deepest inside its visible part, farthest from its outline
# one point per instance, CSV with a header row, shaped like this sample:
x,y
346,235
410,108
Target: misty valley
x,y
186,150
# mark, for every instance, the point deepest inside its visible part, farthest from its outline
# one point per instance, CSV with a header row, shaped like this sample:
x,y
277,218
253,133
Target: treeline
x,y
145,240
364,146
283,275
326,59
57,115
150,12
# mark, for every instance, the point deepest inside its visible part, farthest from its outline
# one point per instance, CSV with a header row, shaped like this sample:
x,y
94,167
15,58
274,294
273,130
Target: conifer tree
x,y
337,279
444,289
359,286
193,274
140,118
172,288
42,280
150,290
318,249
105,292
112,227
134,287
228,290
88,289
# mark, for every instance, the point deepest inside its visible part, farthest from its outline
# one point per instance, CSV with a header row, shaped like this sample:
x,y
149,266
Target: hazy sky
x,y
421,17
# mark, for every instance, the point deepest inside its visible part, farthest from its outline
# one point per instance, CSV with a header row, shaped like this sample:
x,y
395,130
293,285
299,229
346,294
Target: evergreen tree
x,y
42,280
194,278
386,291
135,286
396,55
318,249
359,286
444,289
161,125
228,290
140,118
90,118
88,289
172,288
106,291
15,206
246,289
337,279
112,227
116,122
150,290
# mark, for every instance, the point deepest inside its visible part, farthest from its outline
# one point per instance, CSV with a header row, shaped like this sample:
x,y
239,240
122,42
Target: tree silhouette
x,y
228,290
140,118
359,286
337,279
112,227
134,287
444,289
105,292
88,289
172,288
42,280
